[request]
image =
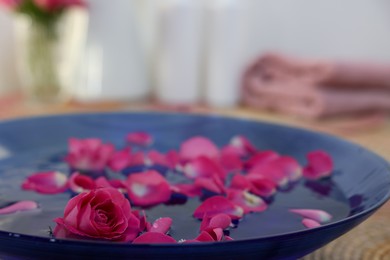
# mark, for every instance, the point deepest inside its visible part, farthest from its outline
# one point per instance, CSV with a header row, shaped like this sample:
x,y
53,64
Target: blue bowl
x,y
359,186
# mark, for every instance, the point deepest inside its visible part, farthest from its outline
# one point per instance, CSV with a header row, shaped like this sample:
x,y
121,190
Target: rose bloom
x,y
102,214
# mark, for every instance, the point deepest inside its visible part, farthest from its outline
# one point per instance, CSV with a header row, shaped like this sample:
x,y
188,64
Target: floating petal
x,y
310,223
272,171
261,186
260,158
290,167
217,205
173,159
240,182
213,184
119,160
189,190
157,158
51,182
242,143
196,147
318,215
218,221
230,161
138,158
320,165
203,167
154,238
24,205
161,225
247,201
79,183
140,138
148,188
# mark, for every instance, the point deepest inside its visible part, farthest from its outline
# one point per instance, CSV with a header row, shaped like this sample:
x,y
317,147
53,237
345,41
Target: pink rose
x,y
103,214
10,4
54,5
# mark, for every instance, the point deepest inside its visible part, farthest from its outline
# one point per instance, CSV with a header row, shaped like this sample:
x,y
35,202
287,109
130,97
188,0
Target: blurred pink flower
x,y
10,4
55,5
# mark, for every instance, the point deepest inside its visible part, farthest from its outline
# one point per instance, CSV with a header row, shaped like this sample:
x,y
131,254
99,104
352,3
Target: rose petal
x,y
213,184
148,188
212,235
309,223
247,201
218,221
173,159
272,171
196,147
189,190
161,225
119,160
140,138
46,182
204,236
230,161
216,205
260,158
24,205
240,182
157,158
79,183
242,143
261,186
320,165
290,167
203,167
138,158
154,238
314,214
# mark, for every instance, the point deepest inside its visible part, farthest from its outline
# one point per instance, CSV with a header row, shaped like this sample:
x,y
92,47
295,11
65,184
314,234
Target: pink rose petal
x,y
119,160
320,216
138,158
157,158
154,238
144,224
88,154
140,138
79,183
196,147
261,186
247,201
212,235
260,158
218,221
204,236
230,161
173,159
309,223
24,205
290,167
320,165
213,184
216,205
189,190
272,171
161,225
148,188
46,182
203,167
240,182
242,143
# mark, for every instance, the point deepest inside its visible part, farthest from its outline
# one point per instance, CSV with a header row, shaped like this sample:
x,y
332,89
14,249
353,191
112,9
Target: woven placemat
x,y
368,241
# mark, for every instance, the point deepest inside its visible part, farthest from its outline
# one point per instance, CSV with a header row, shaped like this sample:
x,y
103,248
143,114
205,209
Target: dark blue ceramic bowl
x,y
359,186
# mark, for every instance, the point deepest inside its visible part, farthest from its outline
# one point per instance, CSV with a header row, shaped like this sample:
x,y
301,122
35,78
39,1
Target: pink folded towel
x,y
316,88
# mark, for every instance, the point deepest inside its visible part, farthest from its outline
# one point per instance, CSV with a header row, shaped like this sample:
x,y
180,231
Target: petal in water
x,y
79,183
161,225
260,158
320,165
272,171
19,206
196,147
242,143
310,223
230,161
139,138
46,182
261,186
154,238
240,182
318,215
247,201
290,167
213,184
148,188
119,160
203,167
218,221
173,159
217,205
189,190
157,158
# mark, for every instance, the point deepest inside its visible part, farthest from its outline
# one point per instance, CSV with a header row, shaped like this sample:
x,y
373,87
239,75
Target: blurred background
x,y
299,57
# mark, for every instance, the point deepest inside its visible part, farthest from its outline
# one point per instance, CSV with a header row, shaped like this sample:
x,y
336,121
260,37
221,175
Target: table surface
x,y
370,240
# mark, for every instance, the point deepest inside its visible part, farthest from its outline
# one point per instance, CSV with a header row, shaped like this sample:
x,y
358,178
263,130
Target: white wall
x,y
356,29
8,78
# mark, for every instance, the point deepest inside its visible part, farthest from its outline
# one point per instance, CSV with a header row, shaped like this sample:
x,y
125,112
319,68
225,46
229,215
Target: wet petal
x,y
173,159
261,186
320,216
46,182
240,182
119,160
203,167
196,147
148,188
290,167
218,221
79,183
216,205
138,158
24,205
189,190
310,223
139,138
242,143
161,225
230,161
272,171
213,184
247,201
320,165
204,236
154,238
157,158
260,158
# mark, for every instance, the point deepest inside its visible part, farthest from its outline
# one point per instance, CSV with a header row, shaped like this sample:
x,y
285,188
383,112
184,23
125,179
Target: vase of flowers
x,y
43,58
